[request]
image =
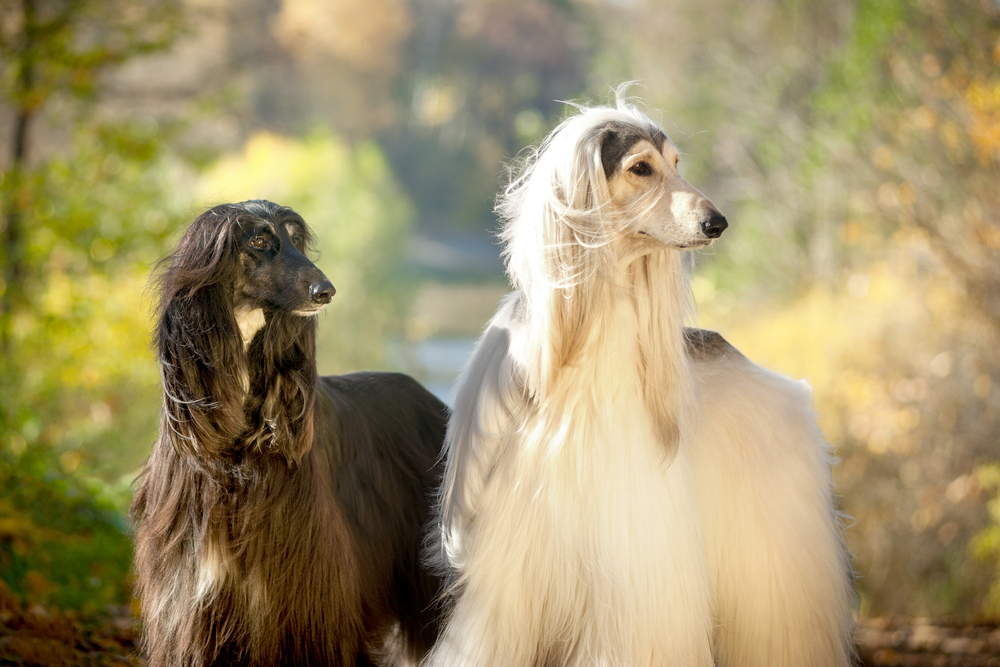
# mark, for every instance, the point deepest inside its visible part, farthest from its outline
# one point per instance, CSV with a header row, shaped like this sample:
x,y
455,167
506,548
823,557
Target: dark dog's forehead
x,y
290,224
251,224
617,138
260,212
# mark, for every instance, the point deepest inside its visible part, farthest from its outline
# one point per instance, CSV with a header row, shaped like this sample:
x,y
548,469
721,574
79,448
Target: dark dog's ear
x,y
282,396
201,355
202,361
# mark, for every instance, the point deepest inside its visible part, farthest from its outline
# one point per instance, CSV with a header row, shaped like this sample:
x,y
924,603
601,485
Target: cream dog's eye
x,y
640,169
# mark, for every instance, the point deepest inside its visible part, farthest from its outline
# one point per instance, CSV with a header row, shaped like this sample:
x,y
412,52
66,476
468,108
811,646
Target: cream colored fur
x,y
611,498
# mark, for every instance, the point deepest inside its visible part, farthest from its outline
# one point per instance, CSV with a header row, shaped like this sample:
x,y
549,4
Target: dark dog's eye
x,y
259,242
640,169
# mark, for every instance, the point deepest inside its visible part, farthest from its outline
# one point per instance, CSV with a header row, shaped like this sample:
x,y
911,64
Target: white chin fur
x,y
309,312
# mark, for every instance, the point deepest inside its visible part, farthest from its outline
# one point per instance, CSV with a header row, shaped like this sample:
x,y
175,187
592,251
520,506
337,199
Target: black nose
x,y
322,291
714,226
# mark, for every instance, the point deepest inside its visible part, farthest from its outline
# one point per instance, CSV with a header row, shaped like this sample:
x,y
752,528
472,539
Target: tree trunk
x,y
12,233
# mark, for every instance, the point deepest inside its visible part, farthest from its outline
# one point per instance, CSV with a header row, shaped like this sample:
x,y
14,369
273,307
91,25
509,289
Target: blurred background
x,y
854,146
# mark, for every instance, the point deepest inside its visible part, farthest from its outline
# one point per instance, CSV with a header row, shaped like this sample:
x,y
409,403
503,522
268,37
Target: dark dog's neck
x,y
243,470
281,387
224,398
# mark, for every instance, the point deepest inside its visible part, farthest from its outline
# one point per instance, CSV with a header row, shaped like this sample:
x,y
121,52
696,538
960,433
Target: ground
x,y
39,637
916,642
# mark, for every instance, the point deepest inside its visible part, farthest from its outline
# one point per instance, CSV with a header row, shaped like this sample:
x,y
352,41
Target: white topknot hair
x,y
556,204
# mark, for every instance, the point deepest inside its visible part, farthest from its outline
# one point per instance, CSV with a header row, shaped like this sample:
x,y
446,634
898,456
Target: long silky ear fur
x,y
200,349
557,240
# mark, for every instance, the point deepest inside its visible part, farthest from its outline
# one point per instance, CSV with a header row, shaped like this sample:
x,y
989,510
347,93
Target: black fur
x,y
616,138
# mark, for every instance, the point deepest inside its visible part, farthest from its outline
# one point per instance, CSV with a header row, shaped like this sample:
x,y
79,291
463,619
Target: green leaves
x,y
60,543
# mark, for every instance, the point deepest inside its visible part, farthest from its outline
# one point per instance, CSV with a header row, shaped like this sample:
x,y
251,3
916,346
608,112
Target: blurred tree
x,y
84,210
54,48
450,90
485,78
73,194
364,36
939,155
928,186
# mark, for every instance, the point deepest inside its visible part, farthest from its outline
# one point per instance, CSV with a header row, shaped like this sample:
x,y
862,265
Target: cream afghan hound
x,y
621,490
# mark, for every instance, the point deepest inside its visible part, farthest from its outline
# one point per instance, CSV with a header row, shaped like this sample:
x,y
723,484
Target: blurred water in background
x,y
434,362
444,322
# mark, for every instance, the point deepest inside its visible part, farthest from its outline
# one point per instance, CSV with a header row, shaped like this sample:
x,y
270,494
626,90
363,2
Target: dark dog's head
x,y
236,336
276,275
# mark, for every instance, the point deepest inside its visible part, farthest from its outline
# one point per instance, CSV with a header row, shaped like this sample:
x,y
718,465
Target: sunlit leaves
x,y
986,546
984,106
367,36
81,381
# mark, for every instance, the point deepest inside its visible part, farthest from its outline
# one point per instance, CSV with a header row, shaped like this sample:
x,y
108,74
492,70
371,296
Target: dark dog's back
x,y
388,432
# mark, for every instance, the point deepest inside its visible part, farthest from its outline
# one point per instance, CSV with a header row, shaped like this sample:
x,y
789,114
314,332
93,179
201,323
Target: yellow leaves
x,y
986,544
983,100
883,157
278,168
101,250
364,34
89,332
436,104
837,339
892,196
924,119
70,460
58,297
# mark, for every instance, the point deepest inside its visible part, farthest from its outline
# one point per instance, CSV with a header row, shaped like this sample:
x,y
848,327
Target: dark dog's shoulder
x,y
705,345
379,391
366,382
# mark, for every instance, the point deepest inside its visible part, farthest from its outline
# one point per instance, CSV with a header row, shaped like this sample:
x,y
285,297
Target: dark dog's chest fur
x,y
311,563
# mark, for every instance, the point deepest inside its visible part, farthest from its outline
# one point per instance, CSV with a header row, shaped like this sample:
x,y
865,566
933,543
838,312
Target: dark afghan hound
x,y
281,515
